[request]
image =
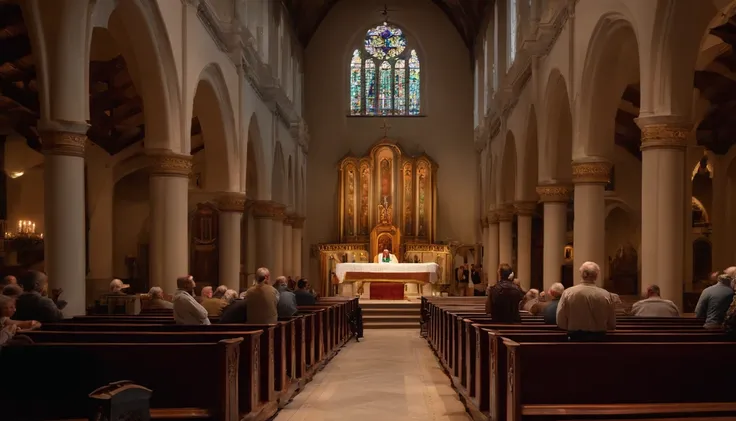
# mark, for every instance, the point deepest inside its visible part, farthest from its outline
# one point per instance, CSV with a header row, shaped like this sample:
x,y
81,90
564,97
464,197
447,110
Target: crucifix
x,y
385,127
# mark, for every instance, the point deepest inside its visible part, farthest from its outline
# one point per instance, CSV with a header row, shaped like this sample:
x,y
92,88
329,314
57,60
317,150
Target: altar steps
x,y
391,315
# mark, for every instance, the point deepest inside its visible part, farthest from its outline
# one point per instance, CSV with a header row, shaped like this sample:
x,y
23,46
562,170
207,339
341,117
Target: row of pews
x,y
222,372
649,368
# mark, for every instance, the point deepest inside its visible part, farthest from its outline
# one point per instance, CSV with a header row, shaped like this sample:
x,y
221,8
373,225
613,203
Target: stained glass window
x,y
370,87
384,75
400,87
414,83
356,88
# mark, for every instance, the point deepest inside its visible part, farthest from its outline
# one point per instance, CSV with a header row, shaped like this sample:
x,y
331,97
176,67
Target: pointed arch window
x,y
385,75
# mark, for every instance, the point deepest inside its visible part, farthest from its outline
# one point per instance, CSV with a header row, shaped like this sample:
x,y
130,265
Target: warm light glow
x,y
16,174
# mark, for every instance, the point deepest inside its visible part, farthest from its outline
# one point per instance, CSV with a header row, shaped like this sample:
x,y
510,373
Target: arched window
x,y
384,75
513,30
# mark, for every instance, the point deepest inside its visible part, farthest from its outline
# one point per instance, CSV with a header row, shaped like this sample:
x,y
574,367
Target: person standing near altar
x,y
386,257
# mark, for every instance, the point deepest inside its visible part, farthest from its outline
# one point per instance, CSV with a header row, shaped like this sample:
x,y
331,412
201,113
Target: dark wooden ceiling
x,y
115,106
466,15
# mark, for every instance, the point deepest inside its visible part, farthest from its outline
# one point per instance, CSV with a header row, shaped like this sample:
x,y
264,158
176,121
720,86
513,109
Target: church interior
x,y
388,159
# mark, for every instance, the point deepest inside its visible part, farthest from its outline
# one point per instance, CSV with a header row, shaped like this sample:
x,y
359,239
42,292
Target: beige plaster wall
x,y
445,133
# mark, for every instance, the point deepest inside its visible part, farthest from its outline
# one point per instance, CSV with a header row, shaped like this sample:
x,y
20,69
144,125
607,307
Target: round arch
x,y
526,172
290,184
278,177
213,108
556,146
606,73
257,165
507,187
139,29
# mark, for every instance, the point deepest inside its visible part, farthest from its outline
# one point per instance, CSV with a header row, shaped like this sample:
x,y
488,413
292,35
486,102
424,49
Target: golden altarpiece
x,y
387,200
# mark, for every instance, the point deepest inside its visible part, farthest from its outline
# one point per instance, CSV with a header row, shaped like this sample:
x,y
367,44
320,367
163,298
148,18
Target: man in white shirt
x,y
187,311
654,305
386,257
585,310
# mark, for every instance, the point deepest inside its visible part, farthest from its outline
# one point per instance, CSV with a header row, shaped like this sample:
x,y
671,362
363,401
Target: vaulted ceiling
x,y
466,15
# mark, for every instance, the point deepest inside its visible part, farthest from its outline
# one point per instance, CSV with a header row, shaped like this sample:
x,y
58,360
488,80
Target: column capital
x,y
484,222
664,132
554,193
63,138
525,208
231,202
492,217
266,209
591,172
297,221
168,164
505,213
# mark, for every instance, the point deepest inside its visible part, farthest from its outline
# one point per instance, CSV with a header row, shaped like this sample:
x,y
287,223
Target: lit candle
x,y
33,228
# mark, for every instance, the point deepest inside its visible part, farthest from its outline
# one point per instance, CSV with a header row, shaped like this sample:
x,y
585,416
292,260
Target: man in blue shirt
x,y
714,301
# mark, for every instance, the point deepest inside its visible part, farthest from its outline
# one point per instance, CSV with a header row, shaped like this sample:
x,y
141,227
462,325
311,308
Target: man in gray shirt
x,y
714,302
287,299
654,305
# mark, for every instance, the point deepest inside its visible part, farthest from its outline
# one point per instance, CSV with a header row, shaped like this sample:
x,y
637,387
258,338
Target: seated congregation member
x,y
219,292
262,300
302,294
117,287
157,301
548,307
586,311
8,280
654,305
504,297
287,299
230,296
33,304
12,290
8,327
213,305
235,312
530,298
187,311
714,302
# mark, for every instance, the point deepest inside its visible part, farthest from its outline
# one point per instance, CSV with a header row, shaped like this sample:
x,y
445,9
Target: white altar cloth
x,y
403,271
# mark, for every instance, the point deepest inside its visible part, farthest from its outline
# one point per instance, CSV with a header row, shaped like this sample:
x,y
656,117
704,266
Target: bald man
x,y
585,310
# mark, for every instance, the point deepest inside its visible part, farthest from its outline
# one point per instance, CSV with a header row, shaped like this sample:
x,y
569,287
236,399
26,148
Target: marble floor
x,y
391,375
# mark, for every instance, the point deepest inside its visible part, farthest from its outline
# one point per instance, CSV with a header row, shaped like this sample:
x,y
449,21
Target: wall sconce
x,y
568,252
15,174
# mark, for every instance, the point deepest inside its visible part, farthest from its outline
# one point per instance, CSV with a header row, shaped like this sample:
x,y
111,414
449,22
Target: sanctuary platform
x,y
391,314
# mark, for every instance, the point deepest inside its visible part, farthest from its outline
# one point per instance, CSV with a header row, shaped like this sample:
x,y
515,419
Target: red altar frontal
x,y
387,291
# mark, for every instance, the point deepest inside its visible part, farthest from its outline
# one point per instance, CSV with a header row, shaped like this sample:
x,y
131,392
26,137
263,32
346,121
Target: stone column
x,y
251,244
297,229
555,198
288,246
232,206
524,212
278,240
484,239
64,212
493,253
505,235
663,192
263,215
169,198
590,178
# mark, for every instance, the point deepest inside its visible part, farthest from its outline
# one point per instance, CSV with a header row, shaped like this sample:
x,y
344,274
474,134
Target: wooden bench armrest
x,y
627,409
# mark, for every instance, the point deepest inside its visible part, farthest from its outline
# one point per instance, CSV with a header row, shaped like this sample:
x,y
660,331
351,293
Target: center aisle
x,y
391,375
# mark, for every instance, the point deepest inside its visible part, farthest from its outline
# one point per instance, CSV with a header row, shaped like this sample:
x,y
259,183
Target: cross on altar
x,y
385,127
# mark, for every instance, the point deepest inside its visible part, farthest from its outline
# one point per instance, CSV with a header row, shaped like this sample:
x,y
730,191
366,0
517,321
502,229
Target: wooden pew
x,y
620,380
52,381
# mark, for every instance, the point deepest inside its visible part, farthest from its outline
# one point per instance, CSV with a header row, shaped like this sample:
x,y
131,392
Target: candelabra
x,y
25,230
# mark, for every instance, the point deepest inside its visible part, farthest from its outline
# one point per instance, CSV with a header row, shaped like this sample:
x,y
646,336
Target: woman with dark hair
x,y
504,297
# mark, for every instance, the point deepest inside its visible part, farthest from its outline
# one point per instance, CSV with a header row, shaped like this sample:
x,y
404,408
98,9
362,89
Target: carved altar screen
x,y
387,188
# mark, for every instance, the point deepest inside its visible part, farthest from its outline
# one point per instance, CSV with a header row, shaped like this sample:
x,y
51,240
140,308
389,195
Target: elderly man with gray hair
x,y
654,305
262,299
157,301
715,300
548,307
585,310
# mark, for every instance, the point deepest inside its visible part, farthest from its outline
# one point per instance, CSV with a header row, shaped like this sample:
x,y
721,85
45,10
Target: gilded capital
x,y
525,208
231,202
591,172
63,143
664,135
263,209
554,193
297,221
492,217
484,222
505,213
169,164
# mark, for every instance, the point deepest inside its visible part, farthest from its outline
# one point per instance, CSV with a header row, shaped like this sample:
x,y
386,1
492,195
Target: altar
x,y
416,279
